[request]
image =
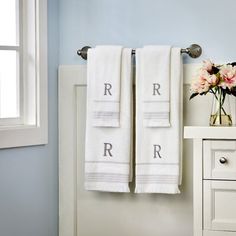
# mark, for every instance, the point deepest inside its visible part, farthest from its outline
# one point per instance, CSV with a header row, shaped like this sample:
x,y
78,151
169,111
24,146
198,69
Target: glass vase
x,y
220,112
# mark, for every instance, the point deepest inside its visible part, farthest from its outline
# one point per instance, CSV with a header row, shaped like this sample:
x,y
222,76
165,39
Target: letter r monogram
x,y
157,149
156,88
107,89
107,149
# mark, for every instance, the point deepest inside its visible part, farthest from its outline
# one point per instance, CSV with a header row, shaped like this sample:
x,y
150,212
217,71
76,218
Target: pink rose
x,y
212,79
207,65
228,75
200,85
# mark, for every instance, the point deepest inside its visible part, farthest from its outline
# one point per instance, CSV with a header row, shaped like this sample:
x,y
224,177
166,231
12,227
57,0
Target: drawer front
x,y
219,206
218,233
219,159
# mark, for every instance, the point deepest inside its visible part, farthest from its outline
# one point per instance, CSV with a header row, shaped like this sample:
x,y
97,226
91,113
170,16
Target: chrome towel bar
x,y
193,51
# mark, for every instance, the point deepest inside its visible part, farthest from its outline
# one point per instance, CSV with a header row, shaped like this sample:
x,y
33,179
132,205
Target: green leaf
x,y
193,95
233,63
227,91
215,70
233,93
203,93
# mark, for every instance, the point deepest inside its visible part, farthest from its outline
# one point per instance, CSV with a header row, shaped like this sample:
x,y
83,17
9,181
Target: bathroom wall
x,y
29,175
92,213
135,23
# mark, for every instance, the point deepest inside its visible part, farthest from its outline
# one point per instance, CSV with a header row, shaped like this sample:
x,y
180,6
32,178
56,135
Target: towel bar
x,y
193,51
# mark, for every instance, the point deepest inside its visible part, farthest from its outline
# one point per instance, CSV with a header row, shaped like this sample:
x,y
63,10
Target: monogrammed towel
x,y
108,149
159,149
154,71
104,69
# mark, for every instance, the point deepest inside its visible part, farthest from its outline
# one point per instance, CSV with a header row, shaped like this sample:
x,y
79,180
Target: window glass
x,y
9,22
9,81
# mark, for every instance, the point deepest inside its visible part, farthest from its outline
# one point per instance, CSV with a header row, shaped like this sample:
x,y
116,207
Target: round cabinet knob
x,y
223,160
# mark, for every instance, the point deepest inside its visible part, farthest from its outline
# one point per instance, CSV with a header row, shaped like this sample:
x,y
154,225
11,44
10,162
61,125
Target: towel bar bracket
x,y
193,51
83,52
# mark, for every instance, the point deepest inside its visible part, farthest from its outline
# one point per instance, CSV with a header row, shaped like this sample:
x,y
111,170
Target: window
x,y
9,59
23,72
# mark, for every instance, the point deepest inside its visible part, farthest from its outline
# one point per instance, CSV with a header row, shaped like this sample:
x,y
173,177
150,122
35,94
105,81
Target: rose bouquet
x,y
220,80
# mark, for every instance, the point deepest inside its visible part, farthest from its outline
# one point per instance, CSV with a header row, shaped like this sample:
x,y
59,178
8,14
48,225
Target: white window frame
x,y
33,126
18,48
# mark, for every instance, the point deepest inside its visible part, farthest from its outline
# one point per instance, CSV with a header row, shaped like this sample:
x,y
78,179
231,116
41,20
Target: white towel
x,y
154,67
108,150
159,149
104,69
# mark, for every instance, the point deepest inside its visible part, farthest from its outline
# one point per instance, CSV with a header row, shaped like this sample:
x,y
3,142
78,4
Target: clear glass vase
x,y
220,112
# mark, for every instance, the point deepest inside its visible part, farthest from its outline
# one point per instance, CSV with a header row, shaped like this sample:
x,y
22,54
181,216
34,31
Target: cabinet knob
x,y
223,160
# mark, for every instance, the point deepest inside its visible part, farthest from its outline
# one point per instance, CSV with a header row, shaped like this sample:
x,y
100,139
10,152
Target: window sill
x,y
23,135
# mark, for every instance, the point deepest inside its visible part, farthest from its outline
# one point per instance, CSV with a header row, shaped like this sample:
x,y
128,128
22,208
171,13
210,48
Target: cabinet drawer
x,y
219,204
218,233
219,159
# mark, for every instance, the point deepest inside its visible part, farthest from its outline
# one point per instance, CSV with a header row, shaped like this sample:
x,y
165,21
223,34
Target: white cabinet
x,y
219,205
214,153
219,159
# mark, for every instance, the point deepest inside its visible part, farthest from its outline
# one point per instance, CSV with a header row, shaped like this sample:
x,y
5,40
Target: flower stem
x,y
219,100
220,113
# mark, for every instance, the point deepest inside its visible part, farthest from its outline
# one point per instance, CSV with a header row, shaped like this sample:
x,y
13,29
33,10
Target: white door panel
x,y
89,213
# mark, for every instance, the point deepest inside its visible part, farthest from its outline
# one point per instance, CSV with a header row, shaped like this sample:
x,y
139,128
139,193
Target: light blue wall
x,y
29,176
134,23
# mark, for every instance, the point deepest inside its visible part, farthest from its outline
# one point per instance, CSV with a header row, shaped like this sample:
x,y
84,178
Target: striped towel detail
x,y
165,179
106,177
